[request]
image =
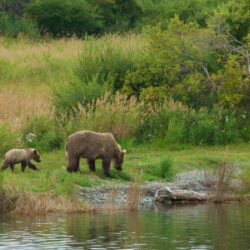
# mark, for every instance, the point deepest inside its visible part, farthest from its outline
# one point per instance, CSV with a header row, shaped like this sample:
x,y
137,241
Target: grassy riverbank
x,y
141,164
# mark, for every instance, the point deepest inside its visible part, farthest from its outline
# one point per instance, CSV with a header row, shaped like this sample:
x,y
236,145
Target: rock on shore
x,y
119,195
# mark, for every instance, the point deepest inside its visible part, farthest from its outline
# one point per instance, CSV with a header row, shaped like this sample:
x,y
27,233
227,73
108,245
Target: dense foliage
x,y
188,83
67,17
64,18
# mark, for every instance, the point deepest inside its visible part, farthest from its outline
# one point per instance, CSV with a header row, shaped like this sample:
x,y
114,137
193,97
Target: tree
x,y
234,16
179,58
64,17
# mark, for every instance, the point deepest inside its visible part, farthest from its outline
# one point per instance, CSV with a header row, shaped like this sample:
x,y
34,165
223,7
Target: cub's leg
x,y
32,166
23,165
5,165
106,166
12,167
91,164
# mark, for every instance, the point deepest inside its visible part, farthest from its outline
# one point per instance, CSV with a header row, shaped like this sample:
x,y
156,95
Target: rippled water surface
x,y
181,227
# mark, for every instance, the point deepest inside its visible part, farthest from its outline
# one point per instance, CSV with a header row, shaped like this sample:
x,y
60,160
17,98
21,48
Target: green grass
x,y
144,163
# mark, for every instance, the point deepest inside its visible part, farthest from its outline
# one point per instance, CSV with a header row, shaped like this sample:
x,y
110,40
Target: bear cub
x,y
23,156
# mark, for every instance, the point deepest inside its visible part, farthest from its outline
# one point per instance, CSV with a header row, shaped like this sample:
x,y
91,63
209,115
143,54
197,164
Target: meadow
x,y
42,85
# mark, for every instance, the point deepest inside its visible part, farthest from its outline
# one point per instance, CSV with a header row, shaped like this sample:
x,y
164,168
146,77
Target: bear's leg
x,y
32,166
23,165
91,164
5,165
73,164
106,166
77,164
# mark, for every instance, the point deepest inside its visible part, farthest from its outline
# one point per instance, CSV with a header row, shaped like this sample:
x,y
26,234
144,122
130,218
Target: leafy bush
x,y
105,63
8,139
149,129
69,96
40,133
153,95
176,128
175,124
11,27
166,169
165,122
64,17
175,61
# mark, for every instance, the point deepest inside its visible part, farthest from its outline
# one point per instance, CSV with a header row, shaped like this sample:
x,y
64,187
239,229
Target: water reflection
x,y
180,227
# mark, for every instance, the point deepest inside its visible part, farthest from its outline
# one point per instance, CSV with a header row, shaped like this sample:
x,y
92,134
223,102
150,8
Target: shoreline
x,y
187,188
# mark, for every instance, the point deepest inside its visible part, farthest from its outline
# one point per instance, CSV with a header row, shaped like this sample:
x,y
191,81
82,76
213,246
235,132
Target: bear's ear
x,y
35,151
124,151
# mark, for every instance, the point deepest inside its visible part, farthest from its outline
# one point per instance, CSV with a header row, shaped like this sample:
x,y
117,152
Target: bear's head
x,y
119,159
36,155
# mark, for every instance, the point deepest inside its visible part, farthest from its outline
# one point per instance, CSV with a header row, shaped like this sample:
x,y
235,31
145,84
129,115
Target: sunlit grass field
x,y
28,69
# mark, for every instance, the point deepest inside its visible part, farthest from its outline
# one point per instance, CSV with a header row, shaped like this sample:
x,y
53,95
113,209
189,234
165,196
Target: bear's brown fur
x,y
92,146
22,156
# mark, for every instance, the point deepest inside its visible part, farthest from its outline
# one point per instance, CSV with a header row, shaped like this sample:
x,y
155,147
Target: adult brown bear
x,y
92,146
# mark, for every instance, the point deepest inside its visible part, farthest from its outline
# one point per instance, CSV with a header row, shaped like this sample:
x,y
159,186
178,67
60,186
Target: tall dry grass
x,y
223,180
29,203
29,53
133,197
117,114
18,103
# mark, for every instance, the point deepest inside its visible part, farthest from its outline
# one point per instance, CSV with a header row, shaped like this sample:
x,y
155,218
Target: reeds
x,y
220,183
224,176
133,197
29,203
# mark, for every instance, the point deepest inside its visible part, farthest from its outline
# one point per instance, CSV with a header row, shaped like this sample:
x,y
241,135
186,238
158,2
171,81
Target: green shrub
x,y
229,128
172,61
118,16
153,95
213,127
12,28
176,128
8,139
204,128
40,132
149,128
164,123
69,96
245,133
105,64
64,17
164,170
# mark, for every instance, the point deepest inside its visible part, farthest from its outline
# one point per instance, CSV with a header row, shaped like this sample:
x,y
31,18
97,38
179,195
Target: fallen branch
x,y
166,195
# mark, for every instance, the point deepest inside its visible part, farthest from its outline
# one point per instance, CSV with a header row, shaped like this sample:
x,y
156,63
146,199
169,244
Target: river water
x,y
176,227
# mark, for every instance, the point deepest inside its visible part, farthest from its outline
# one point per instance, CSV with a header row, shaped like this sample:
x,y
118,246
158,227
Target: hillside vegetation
x,y
168,78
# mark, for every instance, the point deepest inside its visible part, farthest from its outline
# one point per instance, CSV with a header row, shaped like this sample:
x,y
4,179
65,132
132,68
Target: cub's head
x,y
119,159
35,155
